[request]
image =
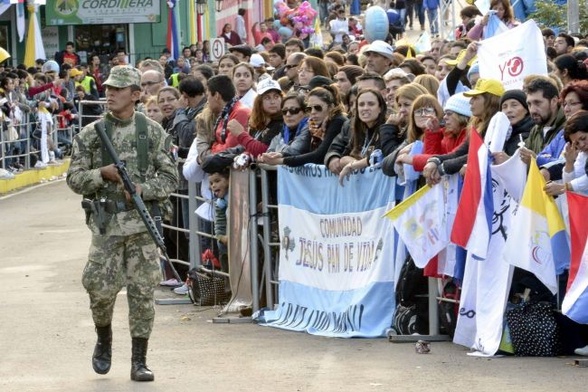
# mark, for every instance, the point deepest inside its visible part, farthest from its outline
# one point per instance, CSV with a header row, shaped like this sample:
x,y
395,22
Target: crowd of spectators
x,y
347,105
41,108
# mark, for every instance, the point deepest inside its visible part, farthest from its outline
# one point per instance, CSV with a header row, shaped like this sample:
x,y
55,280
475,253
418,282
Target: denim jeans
x,y
402,13
432,15
323,11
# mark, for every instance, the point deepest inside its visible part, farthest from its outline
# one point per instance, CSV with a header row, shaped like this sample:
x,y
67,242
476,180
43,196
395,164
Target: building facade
x,y
140,27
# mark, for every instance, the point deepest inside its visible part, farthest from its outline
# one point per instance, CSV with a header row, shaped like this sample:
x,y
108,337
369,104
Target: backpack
x,y
412,307
449,310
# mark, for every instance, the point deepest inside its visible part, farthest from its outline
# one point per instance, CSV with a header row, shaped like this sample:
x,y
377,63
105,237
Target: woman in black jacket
x,y
326,120
514,105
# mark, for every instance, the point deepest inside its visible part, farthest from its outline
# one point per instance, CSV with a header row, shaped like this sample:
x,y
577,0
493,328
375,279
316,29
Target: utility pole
x,y
574,16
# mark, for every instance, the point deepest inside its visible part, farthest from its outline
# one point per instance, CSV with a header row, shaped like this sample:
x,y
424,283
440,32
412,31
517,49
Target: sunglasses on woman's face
x,y
317,108
292,111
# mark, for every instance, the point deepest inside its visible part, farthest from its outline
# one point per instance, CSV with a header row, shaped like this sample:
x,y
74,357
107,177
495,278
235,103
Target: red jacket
x,y
437,143
241,114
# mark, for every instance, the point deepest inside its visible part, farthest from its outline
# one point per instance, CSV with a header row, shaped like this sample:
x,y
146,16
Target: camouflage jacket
x,y
160,179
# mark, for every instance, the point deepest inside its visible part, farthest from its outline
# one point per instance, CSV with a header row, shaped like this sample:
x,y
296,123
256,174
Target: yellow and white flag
x,y
421,223
537,239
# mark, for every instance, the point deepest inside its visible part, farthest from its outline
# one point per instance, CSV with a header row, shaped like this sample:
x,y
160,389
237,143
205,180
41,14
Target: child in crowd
x,y
219,185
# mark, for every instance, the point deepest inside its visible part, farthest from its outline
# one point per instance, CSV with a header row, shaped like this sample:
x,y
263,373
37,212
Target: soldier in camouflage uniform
x,y
122,253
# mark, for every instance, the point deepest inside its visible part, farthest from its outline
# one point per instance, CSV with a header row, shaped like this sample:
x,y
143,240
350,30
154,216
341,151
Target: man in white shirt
x,y
339,26
240,24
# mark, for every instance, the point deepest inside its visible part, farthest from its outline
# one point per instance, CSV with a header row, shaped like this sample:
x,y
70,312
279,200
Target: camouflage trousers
x,y
118,261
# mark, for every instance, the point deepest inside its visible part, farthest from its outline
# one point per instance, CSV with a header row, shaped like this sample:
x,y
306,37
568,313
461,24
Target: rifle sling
x,y
141,139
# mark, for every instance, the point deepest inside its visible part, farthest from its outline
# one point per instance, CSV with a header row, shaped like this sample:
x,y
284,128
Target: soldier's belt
x,y
114,207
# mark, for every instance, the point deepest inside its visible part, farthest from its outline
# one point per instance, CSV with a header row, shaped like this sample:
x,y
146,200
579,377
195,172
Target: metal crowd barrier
x,y
27,143
262,252
264,246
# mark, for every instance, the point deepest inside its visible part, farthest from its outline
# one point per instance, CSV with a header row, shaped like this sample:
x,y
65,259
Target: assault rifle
x,y
137,201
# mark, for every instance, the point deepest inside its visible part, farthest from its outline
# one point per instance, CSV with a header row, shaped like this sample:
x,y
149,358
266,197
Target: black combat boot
x,y
139,369
103,350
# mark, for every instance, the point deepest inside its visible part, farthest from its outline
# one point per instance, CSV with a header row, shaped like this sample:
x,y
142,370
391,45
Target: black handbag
x,y
534,330
206,289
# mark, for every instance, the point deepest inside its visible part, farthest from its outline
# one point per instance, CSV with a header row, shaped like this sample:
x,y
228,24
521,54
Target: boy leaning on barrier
x,y
219,185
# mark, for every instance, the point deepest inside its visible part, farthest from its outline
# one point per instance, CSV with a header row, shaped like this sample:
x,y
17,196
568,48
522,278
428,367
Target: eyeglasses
x,y
566,104
317,108
424,111
288,66
292,111
448,113
149,83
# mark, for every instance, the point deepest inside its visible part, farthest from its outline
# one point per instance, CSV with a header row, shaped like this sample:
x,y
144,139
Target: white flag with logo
x,y
421,223
512,55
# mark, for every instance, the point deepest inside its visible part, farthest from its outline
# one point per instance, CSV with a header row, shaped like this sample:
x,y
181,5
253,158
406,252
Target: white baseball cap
x,y
267,84
257,61
382,48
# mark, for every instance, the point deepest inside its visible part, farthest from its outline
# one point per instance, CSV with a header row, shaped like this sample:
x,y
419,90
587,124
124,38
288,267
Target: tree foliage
x,y
553,15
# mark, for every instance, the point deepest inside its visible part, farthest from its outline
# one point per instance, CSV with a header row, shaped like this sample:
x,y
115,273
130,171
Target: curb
x,y
34,176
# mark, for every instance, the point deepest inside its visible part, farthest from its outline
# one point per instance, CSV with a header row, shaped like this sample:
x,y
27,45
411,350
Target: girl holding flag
x,y
503,10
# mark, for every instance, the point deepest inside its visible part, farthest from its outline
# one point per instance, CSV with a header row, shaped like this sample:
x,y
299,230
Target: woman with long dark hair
x,y
505,13
326,119
243,80
568,68
369,115
265,122
231,37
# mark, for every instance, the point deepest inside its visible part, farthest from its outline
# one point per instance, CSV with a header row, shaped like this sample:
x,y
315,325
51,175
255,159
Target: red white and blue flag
x,y
173,41
472,227
575,303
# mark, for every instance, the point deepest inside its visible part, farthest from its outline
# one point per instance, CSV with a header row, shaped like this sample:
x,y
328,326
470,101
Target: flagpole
x,y
29,58
192,18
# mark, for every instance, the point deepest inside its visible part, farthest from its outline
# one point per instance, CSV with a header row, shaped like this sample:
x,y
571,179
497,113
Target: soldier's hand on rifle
x,y
138,190
110,173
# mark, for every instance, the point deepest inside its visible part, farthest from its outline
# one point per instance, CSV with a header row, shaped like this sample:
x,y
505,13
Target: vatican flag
x,y
34,45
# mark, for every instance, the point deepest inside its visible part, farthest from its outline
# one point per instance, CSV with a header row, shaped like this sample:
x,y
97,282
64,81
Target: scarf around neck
x,y
224,117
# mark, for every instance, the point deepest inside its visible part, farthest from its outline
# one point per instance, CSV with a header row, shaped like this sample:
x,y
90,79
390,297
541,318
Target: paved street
x,y
47,335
